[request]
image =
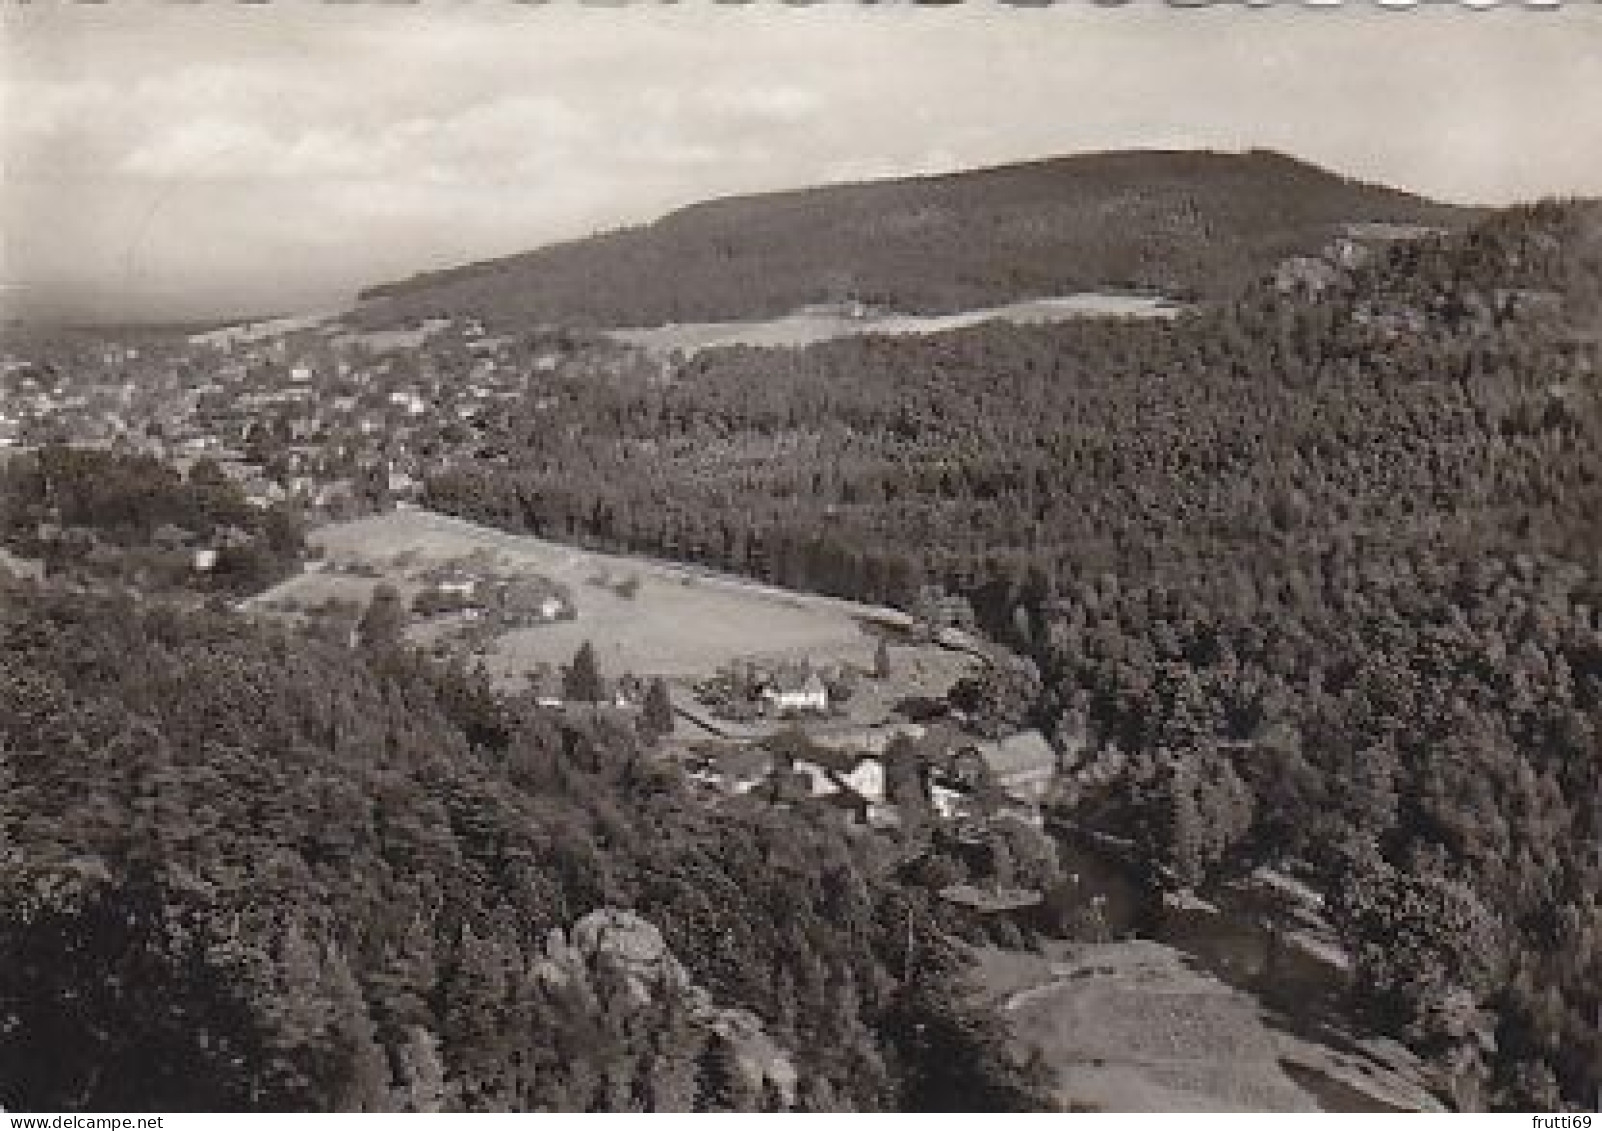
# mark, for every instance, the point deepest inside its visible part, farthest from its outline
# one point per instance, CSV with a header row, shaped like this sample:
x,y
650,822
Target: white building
x,y
867,779
796,691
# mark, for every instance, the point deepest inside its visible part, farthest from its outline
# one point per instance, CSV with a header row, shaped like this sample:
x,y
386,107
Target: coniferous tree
x,y
384,620
656,716
581,680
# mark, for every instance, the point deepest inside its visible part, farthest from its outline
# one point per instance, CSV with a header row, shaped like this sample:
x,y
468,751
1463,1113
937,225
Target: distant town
x,y
334,420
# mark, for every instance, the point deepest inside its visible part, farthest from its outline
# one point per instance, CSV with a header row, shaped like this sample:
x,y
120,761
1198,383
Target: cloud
x,y
254,153
773,103
206,147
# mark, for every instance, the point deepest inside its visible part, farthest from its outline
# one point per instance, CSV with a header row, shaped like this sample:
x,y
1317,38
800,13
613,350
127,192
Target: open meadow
x,y
821,324
645,617
1136,1025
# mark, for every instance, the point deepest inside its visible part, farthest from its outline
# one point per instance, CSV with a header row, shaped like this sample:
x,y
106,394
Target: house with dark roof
x,y
1021,764
1011,774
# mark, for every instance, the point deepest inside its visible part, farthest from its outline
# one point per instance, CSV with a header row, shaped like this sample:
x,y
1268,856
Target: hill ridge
x,y
1195,223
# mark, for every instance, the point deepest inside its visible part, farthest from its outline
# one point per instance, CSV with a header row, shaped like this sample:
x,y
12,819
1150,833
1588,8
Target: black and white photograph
x,y
786,557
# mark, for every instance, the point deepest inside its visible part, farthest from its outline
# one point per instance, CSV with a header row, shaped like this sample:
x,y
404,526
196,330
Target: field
x,y
819,325
262,329
645,617
1134,1026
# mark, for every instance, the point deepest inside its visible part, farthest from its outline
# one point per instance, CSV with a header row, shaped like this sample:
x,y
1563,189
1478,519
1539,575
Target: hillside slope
x,y
251,869
1183,223
1314,570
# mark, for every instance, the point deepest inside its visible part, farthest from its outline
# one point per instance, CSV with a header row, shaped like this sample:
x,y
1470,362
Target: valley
x,y
377,664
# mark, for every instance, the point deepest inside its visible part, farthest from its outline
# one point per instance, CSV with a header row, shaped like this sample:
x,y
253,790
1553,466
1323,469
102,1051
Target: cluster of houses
x,y
331,419
93,396
956,776
476,592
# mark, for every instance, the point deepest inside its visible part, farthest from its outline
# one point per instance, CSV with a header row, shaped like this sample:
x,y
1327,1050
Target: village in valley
x,y
903,729
317,444
773,697
799,558
311,411
882,719
903,723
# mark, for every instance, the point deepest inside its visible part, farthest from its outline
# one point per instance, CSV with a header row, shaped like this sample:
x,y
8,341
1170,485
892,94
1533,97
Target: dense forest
x,y
1311,572
1180,223
244,869
1314,567
101,515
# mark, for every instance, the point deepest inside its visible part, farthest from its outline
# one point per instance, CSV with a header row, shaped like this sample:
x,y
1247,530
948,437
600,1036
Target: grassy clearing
x,y
1133,1026
642,616
811,326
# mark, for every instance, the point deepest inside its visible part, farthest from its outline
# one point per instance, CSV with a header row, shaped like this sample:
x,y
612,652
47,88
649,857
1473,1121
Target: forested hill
x,y
1182,223
243,869
1313,572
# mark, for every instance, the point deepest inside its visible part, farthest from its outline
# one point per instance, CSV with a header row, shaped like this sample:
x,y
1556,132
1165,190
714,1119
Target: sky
x,y
199,160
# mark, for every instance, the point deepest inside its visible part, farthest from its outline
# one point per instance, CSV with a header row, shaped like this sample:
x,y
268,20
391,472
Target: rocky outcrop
x,y
630,945
759,1058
